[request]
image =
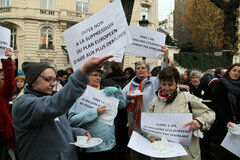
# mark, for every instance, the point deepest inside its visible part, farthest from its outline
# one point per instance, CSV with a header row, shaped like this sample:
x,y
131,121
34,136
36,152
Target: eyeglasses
x,y
96,75
141,68
48,79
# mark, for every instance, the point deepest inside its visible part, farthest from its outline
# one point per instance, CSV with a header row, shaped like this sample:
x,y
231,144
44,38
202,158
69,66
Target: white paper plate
x,y
92,142
110,113
136,94
165,151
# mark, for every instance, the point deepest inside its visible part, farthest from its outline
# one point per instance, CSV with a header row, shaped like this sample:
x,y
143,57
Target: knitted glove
x,y
109,91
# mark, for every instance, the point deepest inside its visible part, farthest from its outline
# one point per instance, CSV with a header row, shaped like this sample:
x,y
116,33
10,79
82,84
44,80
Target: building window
x,y
47,4
13,42
46,38
82,5
5,3
145,12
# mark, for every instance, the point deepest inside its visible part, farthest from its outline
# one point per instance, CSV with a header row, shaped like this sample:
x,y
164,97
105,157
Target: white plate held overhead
x,y
92,142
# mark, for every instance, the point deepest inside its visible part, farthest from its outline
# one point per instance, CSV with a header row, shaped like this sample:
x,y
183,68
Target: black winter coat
x,y
224,113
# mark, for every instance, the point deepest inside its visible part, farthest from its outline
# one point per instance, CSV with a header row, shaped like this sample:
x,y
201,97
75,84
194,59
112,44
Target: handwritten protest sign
x,y
93,98
104,33
145,42
167,125
4,40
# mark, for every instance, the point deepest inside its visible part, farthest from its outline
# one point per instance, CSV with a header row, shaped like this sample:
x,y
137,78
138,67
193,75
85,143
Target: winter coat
x,y
6,93
149,87
221,106
113,79
89,121
180,105
41,127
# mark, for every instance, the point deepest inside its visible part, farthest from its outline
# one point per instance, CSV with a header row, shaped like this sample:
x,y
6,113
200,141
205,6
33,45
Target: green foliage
x,y
198,61
187,47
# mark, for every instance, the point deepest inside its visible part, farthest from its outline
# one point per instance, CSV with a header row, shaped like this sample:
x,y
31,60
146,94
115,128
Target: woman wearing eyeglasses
x,y
89,120
226,103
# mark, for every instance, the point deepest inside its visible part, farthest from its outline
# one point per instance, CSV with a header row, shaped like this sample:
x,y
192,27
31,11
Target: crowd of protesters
x,y
38,114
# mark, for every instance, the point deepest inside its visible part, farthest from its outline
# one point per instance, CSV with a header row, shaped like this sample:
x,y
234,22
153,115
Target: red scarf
x,y
136,104
164,97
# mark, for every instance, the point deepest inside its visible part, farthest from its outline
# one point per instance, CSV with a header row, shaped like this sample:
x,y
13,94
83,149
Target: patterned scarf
x,y
135,107
167,98
164,97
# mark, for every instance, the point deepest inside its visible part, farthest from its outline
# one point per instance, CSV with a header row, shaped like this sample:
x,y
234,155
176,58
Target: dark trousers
x,y
220,153
105,155
138,156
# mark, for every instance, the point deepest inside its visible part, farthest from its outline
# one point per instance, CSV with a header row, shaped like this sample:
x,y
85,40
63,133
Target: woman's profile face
x,y
168,87
235,73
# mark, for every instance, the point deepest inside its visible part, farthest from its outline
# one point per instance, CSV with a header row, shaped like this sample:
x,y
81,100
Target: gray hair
x,y
195,73
142,62
52,65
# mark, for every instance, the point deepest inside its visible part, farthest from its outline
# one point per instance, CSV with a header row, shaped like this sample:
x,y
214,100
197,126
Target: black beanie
x,y
33,69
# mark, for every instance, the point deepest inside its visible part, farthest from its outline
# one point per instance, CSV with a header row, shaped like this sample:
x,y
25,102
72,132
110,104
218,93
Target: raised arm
x,y
9,76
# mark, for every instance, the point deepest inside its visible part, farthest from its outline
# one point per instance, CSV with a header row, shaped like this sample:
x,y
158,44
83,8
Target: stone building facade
x,y
167,24
37,26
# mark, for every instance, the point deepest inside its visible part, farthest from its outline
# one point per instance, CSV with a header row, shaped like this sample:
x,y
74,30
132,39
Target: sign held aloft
x,y
104,33
4,40
145,42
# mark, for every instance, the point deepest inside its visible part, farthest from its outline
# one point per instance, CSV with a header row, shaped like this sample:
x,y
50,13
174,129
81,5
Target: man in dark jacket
x,y
41,128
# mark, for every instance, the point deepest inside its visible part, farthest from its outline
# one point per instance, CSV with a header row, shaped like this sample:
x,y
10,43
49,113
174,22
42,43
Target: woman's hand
x,y
88,135
101,110
229,125
94,63
129,96
8,52
194,125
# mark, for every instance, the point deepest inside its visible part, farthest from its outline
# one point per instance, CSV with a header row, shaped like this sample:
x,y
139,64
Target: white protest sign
x,y
145,42
104,33
4,40
142,145
93,98
232,143
169,125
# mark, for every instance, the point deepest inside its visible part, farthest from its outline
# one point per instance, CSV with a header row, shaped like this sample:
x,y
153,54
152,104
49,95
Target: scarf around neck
x,y
233,87
167,98
135,108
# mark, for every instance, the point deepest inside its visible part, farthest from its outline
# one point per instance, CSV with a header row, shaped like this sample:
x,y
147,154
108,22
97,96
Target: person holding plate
x,y
139,102
89,120
39,121
172,99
